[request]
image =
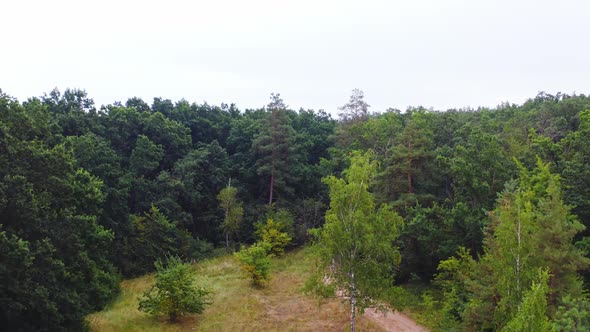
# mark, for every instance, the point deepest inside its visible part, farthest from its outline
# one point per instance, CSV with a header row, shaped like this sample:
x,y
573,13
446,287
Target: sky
x,y
434,53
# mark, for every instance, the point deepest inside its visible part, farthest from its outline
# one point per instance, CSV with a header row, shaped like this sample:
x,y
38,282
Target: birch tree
x,y
356,245
233,211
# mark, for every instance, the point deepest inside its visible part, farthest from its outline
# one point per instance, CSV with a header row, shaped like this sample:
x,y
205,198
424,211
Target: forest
x,y
491,205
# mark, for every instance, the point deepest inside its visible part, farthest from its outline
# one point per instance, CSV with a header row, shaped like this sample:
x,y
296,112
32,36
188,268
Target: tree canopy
x,y
488,198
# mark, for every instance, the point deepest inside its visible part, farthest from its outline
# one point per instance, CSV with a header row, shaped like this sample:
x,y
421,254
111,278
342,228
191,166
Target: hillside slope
x,y
237,306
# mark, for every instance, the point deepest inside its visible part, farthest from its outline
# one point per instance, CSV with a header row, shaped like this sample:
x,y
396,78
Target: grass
x,y
237,306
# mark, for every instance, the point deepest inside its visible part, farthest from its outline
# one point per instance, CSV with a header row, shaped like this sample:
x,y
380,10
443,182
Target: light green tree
x,y
275,229
532,312
255,262
272,233
355,247
233,212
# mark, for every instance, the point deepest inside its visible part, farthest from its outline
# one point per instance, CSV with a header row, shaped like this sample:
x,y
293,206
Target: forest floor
x,y
281,306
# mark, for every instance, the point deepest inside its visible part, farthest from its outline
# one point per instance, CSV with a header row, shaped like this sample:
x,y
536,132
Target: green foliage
x,y
271,233
310,214
174,293
275,149
531,229
277,230
408,167
355,247
155,237
146,156
233,212
572,315
202,174
454,275
255,262
532,311
479,168
283,219
55,255
76,184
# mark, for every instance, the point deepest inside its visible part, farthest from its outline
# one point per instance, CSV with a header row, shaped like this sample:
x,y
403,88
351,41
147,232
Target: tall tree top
x,y
356,108
276,102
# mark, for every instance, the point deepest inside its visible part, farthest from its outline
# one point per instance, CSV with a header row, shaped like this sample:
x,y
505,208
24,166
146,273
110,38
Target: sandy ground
x,y
389,320
393,321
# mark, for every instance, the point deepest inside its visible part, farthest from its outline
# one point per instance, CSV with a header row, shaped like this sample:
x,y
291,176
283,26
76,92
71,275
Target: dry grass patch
x,y
237,306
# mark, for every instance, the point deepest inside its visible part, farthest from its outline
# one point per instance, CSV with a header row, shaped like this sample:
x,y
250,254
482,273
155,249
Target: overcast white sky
x,y
433,53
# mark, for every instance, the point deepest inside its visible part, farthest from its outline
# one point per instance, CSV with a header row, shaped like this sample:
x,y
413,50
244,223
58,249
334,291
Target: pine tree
x,y
275,149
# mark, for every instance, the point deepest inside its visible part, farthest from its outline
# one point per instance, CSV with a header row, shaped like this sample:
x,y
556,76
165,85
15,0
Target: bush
x,y
271,233
255,262
174,293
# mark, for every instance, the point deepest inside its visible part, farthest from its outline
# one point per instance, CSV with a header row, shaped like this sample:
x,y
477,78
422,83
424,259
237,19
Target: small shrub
x,y
174,293
255,262
271,233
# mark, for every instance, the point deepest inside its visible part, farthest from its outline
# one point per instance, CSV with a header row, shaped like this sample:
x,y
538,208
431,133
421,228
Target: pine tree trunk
x,y
273,156
272,182
227,241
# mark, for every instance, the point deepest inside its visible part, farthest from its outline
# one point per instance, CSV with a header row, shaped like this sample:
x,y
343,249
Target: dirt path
x,y
390,320
394,321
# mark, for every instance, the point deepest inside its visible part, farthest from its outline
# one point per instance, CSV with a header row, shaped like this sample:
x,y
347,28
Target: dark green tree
x,y
275,150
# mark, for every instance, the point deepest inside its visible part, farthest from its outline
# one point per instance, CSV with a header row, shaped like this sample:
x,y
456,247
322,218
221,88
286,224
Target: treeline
x,y
89,195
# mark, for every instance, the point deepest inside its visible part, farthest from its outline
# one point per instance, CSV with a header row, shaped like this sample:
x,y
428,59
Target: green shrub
x,y
271,233
255,262
174,293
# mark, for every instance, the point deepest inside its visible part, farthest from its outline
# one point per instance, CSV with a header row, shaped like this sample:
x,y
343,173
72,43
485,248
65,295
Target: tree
x,y
355,247
255,262
55,265
575,170
356,109
531,229
454,274
203,173
408,169
349,131
146,156
174,293
153,237
572,315
532,312
273,233
275,148
233,212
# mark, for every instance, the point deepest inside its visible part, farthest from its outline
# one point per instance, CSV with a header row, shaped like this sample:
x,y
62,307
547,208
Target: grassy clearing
x,y
237,305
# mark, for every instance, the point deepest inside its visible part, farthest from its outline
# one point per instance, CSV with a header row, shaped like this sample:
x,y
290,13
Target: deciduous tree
x,y
355,247
233,212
